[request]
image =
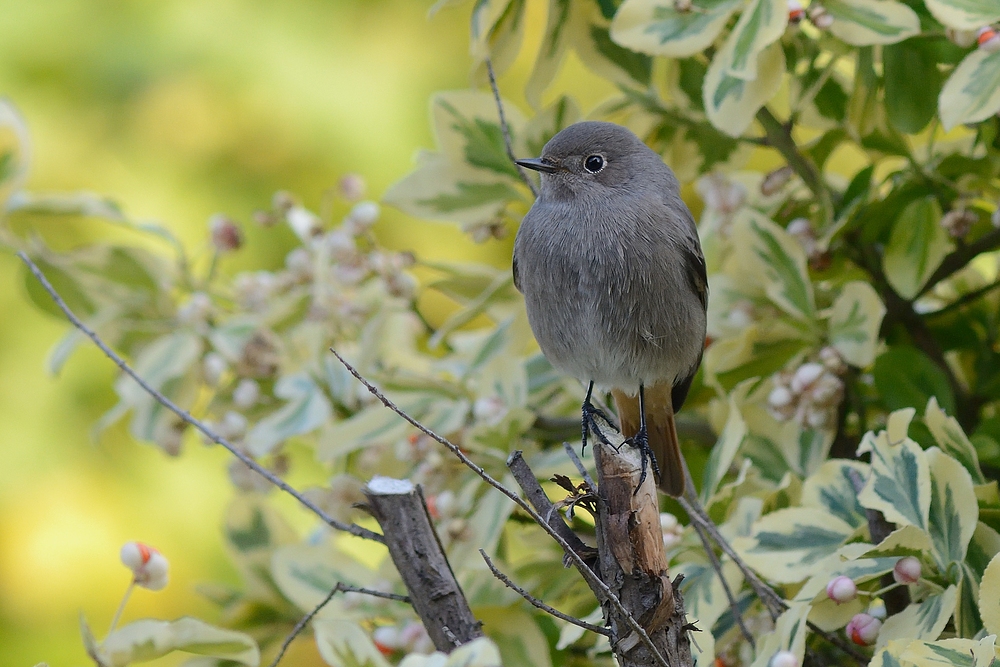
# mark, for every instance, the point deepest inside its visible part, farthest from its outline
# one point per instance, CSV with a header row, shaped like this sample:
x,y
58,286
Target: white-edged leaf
x,y
550,54
855,319
658,28
831,489
787,544
149,639
15,150
789,635
346,644
952,439
953,652
954,511
920,620
917,246
724,451
481,652
516,634
866,22
761,23
972,92
964,14
306,574
900,483
731,102
595,48
306,410
989,597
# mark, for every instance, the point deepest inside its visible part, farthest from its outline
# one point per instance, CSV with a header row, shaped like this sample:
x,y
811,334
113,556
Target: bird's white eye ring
x,y
593,163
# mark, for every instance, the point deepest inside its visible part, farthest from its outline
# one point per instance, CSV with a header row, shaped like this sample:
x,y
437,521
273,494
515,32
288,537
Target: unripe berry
x,y
783,659
863,629
907,570
149,567
841,589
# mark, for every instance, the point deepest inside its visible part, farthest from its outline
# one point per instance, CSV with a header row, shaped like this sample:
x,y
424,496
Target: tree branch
x,y
341,587
506,129
780,138
538,603
592,579
185,416
961,257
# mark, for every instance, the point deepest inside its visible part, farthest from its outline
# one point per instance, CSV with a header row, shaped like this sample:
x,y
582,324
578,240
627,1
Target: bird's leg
x,y
589,410
641,440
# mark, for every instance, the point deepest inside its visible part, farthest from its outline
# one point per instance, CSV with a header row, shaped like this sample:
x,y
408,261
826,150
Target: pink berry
x,y
841,589
863,629
907,570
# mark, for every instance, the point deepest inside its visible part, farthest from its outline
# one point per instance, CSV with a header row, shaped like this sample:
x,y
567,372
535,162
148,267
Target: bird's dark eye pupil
x,y
594,163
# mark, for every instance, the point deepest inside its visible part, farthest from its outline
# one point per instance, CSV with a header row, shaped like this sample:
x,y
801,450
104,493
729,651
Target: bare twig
x,y
533,491
538,603
592,579
341,587
351,528
965,298
582,469
506,129
717,566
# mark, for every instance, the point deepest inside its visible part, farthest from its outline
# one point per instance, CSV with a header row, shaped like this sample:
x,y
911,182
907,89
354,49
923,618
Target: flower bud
x,y
721,194
303,222
841,589
988,39
352,187
196,308
490,410
832,361
907,570
961,38
387,640
226,234
365,214
212,368
863,629
957,222
776,180
820,18
780,397
805,376
149,567
877,609
246,393
233,425
795,12
783,659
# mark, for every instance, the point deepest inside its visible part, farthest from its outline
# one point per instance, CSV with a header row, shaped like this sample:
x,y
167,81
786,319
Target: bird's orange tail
x,y
660,429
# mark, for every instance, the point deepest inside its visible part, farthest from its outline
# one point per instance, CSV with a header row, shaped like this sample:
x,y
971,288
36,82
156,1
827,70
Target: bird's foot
x,y
589,423
641,441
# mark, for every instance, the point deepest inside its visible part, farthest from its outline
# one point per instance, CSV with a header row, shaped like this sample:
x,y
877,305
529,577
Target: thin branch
x,y
351,528
780,138
592,579
582,469
734,606
538,603
341,587
506,129
960,257
965,298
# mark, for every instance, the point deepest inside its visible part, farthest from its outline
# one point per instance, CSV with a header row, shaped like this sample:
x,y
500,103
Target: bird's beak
x,y
538,164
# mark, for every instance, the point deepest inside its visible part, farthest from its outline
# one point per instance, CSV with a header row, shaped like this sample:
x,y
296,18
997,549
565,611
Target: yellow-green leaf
x,y
954,652
952,439
724,451
788,544
789,635
658,28
899,485
760,24
15,150
831,489
989,597
972,92
953,510
917,246
865,22
731,102
346,644
855,319
307,409
920,620
149,639
595,48
964,14
550,54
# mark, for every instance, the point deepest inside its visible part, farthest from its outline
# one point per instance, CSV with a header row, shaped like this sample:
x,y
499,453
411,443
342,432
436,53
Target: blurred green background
x,y
179,109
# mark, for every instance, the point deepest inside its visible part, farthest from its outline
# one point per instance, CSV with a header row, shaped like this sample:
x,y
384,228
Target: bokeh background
x,y
179,109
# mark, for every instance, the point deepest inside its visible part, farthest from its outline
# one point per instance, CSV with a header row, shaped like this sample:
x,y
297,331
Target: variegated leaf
x,y
346,644
972,92
899,484
724,451
731,103
989,597
306,410
555,40
952,439
866,22
831,489
917,246
920,620
953,510
789,635
787,544
855,319
964,14
659,28
952,653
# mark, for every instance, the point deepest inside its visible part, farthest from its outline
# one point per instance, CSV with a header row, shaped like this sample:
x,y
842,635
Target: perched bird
x,y
614,281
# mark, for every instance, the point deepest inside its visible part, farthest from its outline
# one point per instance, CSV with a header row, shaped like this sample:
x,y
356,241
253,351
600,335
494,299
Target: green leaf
x,y
149,639
953,512
789,635
855,320
989,597
502,42
658,28
866,22
516,634
906,377
954,652
761,23
899,484
831,489
964,14
916,247
550,54
596,49
306,574
15,150
732,102
912,83
306,410
920,620
787,544
972,92
952,439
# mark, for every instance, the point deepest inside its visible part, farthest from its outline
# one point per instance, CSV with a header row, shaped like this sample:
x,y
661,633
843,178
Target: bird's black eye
x,y
593,163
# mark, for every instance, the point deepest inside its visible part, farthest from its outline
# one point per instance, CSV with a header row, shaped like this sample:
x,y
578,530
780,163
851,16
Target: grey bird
x,y
614,280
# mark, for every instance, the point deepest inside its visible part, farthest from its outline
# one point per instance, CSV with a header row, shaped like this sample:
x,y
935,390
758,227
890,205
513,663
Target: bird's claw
x,y
641,441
